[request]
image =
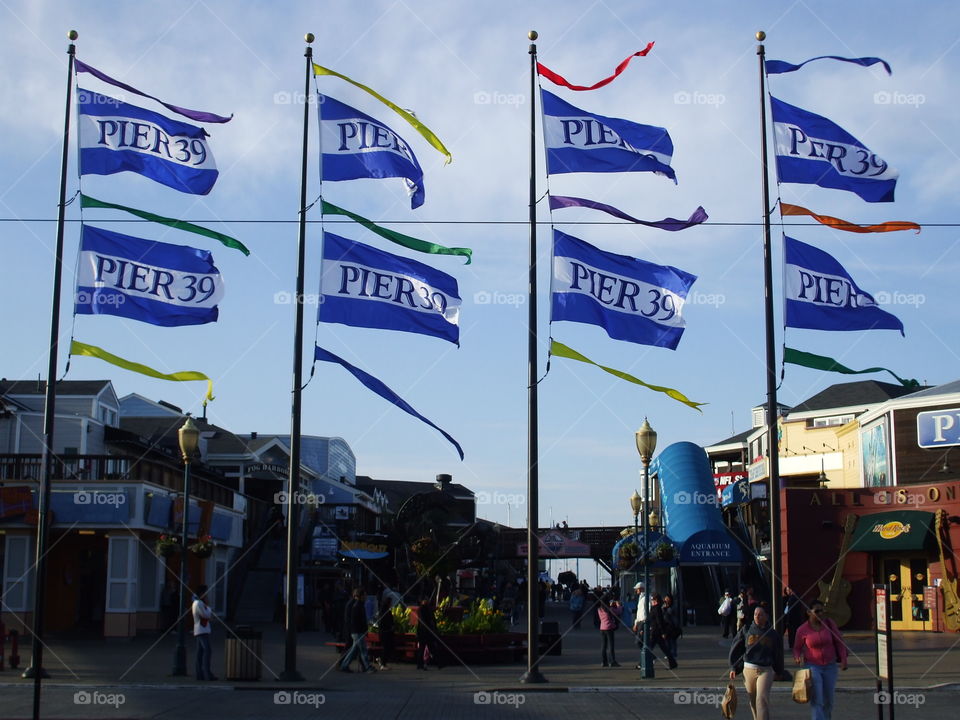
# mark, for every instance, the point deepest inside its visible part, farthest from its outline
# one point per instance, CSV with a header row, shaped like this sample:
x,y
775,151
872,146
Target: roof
x,y
163,432
397,491
64,387
946,389
739,438
844,395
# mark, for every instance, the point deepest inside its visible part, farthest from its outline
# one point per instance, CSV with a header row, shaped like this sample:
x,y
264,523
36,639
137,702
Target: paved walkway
x,y
138,671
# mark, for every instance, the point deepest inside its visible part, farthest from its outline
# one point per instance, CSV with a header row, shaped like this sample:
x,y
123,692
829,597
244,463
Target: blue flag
x,y
366,287
775,67
821,295
631,299
579,141
118,137
153,282
354,145
815,151
377,386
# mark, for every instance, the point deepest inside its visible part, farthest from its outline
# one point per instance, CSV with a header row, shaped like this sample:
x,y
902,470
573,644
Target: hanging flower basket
x,y
628,555
664,551
167,545
203,547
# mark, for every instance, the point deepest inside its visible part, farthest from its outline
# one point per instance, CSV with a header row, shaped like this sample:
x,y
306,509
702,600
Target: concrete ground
x,y
97,678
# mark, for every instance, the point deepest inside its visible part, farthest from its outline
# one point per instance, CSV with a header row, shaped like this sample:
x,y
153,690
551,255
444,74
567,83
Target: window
x,y
830,421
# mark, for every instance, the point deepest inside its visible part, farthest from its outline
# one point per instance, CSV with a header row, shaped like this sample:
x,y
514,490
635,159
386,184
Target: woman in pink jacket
x,y
609,611
819,646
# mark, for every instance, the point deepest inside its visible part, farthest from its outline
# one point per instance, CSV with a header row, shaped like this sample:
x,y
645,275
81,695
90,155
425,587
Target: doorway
x,y
907,576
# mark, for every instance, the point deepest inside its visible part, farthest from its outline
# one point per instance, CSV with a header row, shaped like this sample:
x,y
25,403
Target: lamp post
x,y
189,436
646,438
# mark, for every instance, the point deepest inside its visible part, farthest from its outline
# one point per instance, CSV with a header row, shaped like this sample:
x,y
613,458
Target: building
x,y
113,494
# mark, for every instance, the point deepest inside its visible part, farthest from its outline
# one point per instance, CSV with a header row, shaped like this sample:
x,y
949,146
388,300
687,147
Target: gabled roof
x,y
949,388
738,439
91,388
163,431
853,394
397,491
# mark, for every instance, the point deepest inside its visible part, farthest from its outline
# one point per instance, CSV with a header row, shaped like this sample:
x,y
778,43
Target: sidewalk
x,y
139,670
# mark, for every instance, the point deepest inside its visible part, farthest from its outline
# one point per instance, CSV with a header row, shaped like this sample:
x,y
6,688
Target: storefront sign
x,y
938,428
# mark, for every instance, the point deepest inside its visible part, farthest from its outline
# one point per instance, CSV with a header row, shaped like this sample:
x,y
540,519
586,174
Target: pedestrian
x,y
576,607
426,635
820,648
609,612
202,615
386,625
355,622
741,603
660,629
793,613
728,614
640,618
672,623
757,652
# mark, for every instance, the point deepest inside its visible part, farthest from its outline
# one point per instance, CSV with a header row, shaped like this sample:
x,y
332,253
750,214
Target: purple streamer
x,y
669,224
775,67
197,115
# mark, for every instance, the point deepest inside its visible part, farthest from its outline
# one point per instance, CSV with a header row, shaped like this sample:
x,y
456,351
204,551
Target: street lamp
x,y
646,443
189,438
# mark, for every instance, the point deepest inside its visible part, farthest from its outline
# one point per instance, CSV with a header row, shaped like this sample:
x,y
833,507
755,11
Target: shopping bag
x,y
802,686
728,706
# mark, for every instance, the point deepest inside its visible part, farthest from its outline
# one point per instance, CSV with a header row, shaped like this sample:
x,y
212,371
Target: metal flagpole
x,y
773,442
36,670
533,674
293,481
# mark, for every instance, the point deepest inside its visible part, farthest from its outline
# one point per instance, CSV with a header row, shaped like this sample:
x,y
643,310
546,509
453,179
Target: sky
x,y
464,69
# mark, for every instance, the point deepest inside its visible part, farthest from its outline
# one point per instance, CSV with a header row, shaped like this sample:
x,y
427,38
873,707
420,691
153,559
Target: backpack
x,y
576,602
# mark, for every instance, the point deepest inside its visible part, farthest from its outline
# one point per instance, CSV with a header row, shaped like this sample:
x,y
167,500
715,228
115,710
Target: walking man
x,y
355,620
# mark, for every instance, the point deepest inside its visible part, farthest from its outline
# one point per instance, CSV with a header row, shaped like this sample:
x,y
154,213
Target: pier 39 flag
x,y
815,151
631,299
354,145
821,295
579,141
366,287
117,137
153,282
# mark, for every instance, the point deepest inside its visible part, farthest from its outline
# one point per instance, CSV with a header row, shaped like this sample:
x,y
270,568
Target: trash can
x,y
550,638
242,651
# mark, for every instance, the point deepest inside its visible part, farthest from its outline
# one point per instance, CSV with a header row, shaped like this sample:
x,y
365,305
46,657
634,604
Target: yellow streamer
x,y
560,350
420,127
79,348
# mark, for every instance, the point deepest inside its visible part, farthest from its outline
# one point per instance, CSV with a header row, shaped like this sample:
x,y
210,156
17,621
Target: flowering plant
x,y
167,545
203,547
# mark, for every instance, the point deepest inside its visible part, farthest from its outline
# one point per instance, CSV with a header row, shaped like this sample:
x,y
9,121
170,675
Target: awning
x,y
363,554
893,531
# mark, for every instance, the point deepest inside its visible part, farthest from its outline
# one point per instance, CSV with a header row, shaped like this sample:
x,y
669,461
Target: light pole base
x,y
291,676
647,665
532,676
28,673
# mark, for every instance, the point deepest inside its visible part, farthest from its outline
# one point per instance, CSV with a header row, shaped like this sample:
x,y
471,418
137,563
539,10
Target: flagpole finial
x,y
533,35
73,35
761,35
309,38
